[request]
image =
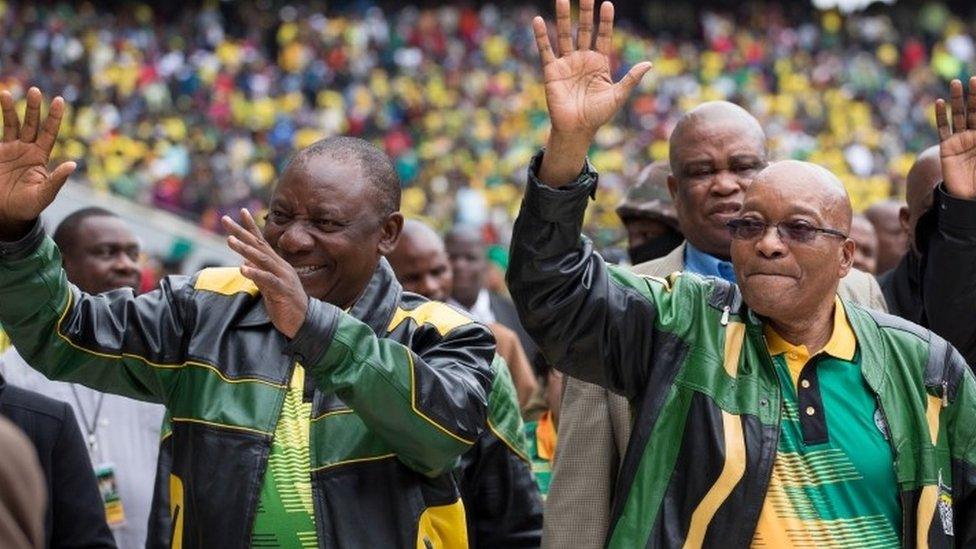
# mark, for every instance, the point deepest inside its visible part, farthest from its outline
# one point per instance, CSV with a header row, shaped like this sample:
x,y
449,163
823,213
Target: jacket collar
x,y
374,307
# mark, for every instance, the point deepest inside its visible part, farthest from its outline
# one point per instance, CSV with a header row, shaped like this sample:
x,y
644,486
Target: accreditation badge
x,y
107,486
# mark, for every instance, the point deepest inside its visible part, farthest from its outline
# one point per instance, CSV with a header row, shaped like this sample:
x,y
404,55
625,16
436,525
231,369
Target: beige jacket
x,y
594,428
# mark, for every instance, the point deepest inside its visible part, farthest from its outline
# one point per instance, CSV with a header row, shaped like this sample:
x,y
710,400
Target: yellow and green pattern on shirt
x,y
839,493
286,517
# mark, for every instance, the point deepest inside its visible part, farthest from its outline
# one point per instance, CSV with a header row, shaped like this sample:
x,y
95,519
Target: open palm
x,y
27,187
580,92
958,146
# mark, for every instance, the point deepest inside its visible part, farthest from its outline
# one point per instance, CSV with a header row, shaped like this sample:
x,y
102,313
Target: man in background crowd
x,y
866,238
647,212
892,242
469,266
934,284
100,254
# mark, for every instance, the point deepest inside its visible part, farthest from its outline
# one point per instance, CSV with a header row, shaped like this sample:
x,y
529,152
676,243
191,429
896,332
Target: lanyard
x,y
90,428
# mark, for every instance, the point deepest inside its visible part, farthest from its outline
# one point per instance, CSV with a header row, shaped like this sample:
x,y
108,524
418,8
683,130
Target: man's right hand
x,y
27,187
580,92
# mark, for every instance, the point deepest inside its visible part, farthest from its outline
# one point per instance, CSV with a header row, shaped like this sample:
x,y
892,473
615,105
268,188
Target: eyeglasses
x,y
788,231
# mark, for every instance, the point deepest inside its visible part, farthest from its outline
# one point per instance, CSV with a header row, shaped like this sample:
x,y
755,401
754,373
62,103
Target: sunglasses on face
x,y
789,231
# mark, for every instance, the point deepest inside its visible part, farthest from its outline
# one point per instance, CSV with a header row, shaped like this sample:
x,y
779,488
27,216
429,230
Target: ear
x,y
391,229
846,257
903,220
673,188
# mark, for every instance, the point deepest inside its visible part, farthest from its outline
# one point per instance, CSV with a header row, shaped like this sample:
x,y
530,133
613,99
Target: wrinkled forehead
x,y
716,138
317,185
97,230
780,193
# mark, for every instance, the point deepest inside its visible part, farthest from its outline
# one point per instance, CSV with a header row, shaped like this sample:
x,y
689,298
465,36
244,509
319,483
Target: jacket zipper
x,y
768,360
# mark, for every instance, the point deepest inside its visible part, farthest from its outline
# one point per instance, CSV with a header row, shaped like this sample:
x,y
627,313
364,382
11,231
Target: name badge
x,y
107,486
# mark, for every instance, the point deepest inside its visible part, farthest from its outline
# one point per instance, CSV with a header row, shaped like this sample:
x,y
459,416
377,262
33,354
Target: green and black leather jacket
x,y
400,393
690,356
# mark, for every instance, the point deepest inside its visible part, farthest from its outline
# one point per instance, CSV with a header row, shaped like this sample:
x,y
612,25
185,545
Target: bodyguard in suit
x,y
716,150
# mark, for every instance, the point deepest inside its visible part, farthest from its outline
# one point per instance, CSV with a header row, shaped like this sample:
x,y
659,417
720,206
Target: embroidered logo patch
x,y
945,506
882,425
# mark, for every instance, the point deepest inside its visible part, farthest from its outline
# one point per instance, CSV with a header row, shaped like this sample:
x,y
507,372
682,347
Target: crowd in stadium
x,y
195,115
505,279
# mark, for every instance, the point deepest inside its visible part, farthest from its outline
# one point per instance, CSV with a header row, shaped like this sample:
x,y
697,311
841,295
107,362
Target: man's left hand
x,y
284,297
958,145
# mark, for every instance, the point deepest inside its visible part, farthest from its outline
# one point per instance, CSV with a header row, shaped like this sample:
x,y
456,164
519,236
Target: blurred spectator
x,y
866,252
22,494
892,240
469,265
648,215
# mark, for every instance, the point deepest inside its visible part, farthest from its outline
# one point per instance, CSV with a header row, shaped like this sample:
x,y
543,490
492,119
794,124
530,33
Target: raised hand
x,y
27,187
958,145
580,91
284,297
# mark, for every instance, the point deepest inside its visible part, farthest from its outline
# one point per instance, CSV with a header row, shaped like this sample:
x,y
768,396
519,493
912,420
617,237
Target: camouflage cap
x,y
649,197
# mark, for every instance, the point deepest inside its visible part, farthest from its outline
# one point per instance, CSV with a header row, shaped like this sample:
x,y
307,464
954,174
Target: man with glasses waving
x,y
769,413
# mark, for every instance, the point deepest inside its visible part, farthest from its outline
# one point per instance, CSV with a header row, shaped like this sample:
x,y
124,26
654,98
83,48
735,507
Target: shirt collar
x,y
481,310
697,261
842,343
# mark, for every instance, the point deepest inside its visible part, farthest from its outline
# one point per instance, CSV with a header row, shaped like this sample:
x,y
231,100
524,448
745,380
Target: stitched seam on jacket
x,y
413,404
173,366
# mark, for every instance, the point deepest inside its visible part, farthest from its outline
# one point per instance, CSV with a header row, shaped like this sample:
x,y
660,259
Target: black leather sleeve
x,y
589,323
949,267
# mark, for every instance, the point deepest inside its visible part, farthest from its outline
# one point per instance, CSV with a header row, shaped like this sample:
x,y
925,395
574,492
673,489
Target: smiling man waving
x,y
312,402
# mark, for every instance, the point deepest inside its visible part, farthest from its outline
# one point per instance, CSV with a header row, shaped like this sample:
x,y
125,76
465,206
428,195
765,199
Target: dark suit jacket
x,y
75,517
506,315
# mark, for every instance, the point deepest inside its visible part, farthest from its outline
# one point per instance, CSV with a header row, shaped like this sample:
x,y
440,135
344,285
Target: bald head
x,y
886,217
802,183
420,261
922,178
713,114
419,236
866,238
